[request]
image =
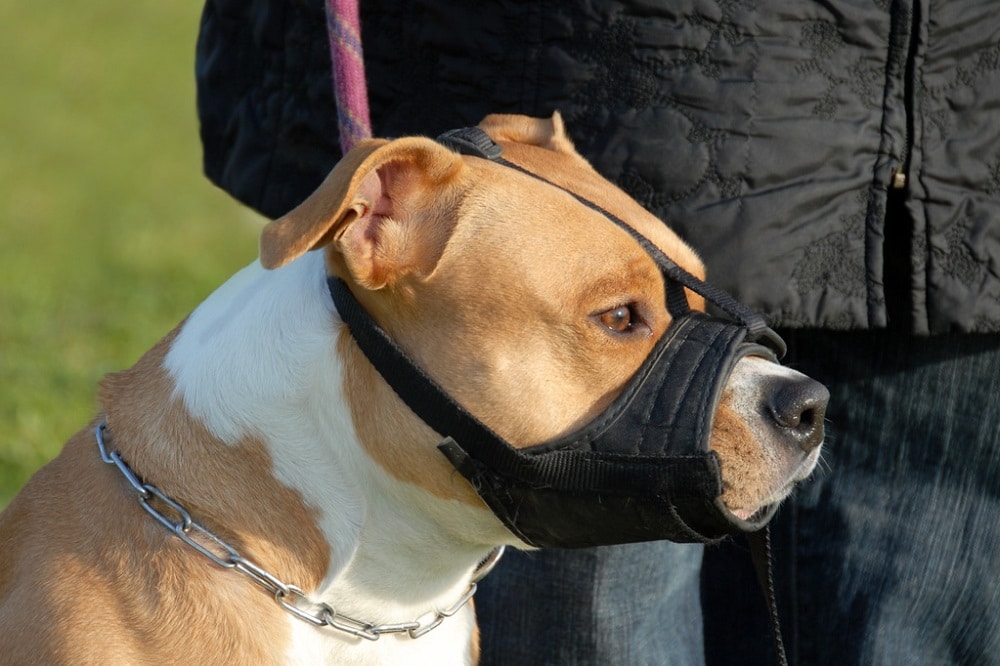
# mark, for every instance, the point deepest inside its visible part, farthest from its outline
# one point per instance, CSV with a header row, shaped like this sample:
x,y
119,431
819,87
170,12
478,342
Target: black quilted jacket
x,y
836,163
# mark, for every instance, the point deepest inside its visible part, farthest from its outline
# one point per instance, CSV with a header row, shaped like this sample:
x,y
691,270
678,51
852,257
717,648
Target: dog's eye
x,y
620,319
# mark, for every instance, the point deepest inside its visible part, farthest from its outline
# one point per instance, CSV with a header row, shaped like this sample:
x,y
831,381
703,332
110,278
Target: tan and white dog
x,y
261,418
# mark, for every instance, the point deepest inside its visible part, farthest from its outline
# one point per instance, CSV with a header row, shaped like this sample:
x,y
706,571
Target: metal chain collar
x,y
290,597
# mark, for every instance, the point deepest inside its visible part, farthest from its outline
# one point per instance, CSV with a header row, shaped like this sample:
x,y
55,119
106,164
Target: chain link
x,y
291,598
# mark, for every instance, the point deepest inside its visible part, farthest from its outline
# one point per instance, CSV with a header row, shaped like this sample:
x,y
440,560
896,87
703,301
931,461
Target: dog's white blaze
x,y
747,383
258,359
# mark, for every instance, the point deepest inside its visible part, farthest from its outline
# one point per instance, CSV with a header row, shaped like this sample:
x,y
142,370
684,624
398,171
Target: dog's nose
x,y
798,406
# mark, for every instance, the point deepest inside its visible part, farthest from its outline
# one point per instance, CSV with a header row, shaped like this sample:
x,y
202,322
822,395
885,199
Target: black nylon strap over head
x,y
476,142
471,141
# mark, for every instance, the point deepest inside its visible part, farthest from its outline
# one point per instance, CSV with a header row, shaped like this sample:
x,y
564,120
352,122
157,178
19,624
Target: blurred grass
x,y
109,232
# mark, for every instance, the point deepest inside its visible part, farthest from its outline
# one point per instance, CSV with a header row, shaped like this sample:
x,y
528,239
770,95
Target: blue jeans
x,y
635,605
891,554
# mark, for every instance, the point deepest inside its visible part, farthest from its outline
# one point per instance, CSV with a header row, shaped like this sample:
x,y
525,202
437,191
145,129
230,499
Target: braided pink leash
x,y
349,88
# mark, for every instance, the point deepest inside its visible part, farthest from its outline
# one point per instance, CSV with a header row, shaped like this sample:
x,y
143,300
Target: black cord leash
x,y
760,551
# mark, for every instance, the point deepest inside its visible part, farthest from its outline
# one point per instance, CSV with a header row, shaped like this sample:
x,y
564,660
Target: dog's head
x,y
529,308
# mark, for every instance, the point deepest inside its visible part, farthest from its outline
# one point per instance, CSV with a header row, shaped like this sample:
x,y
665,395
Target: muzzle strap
x,y
615,473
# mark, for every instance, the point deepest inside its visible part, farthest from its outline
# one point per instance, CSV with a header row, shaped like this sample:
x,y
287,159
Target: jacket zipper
x,y
901,172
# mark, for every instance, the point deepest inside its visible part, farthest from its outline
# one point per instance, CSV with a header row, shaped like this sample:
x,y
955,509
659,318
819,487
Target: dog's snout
x,y
798,406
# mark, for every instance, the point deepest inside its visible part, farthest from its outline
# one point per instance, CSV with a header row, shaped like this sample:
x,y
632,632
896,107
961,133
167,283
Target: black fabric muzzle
x,y
640,471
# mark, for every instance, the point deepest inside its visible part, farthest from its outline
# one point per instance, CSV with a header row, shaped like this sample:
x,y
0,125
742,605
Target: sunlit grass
x,y
109,232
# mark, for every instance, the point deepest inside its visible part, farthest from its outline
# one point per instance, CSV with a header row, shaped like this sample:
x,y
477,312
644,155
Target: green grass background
x,y
109,232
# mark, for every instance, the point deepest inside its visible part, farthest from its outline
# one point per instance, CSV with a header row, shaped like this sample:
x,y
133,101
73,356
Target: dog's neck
x,y
256,367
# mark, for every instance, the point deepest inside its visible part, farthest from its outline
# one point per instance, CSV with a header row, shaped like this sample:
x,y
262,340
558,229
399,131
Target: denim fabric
x,y
635,605
890,555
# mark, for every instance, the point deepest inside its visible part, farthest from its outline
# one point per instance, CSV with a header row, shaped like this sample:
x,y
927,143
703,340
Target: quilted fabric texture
x,y
766,132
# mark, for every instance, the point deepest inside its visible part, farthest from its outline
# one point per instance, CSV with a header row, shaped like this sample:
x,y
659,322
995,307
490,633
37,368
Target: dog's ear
x,y
375,206
549,133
